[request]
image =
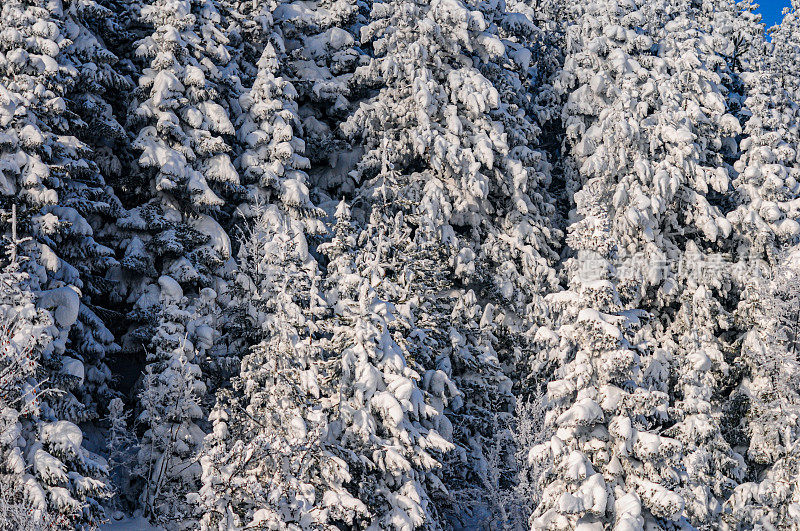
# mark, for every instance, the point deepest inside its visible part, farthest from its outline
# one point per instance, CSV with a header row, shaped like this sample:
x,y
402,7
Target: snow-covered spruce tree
x,y
49,174
462,160
695,129
271,315
453,336
98,83
765,221
118,29
320,53
785,50
170,403
765,218
772,498
737,34
436,112
185,127
173,235
185,144
320,49
649,105
90,118
43,465
641,104
266,462
516,239
767,190
249,28
481,413
609,463
98,100
698,135
608,92
273,162
700,372
384,426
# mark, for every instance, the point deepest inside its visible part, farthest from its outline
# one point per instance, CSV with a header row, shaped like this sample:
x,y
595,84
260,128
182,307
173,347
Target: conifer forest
x,y
399,265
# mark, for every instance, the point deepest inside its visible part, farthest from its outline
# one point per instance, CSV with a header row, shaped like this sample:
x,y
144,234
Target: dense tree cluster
x,y
399,264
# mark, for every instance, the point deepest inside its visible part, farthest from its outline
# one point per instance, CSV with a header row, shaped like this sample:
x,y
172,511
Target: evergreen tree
x,y
452,155
737,34
185,145
701,369
560,282
770,348
697,335
273,162
265,463
647,107
785,52
43,463
50,174
320,53
767,169
609,462
182,106
481,468
170,400
385,426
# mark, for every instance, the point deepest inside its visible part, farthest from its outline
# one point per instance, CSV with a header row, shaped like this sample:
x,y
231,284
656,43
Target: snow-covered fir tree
x,y
170,400
265,462
610,464
766,220
767,180
274,306
44,466
182,107
184,143
700,361
693,98
650,106
441,135
736,33
387,421
770,498
273,162
50,174
785,50
320,53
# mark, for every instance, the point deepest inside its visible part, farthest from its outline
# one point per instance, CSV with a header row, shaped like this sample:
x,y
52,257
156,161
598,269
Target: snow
x,y
789,228
217,117
194,76
170,288
219,239
31,136
592,315
64,435
73,367
295,193
78,224
51,470
219,168
660,501
64,304
582,413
